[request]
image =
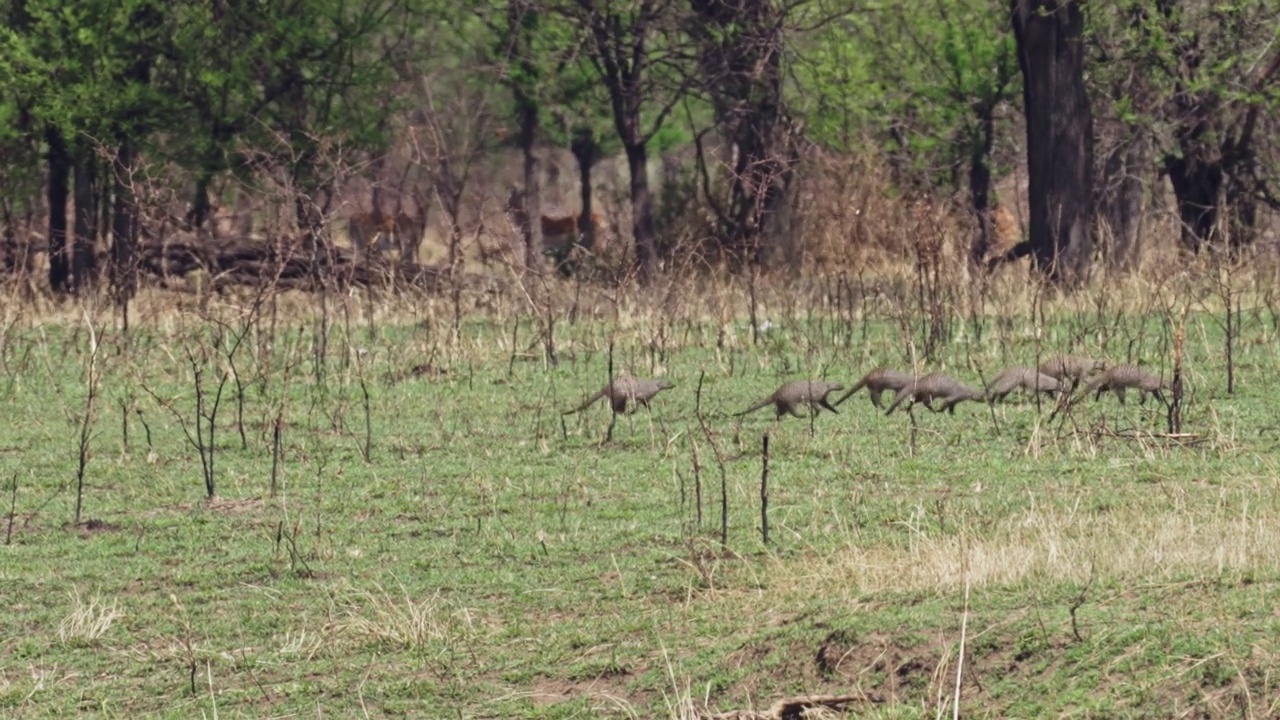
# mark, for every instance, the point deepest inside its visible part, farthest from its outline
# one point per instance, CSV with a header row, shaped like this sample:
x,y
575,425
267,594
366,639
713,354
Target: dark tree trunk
x,y
59,160
741,61
586,150
642,211
84,240
620,51
980,185
1059,122
1197,184
531,199
124,273
1121,201
124,216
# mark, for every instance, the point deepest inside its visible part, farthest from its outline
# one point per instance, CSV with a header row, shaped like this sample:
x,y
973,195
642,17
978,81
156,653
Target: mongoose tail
x,y
856,387
588,402
757,406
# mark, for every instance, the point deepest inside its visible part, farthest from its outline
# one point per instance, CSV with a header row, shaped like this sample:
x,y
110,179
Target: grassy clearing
x,y
493,559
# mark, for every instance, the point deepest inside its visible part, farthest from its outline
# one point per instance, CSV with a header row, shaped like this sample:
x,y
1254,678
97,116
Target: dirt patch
x,y
548,691
232,507
876,667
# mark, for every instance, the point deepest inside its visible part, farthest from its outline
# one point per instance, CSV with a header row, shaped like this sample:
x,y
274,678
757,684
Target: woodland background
x,y
158,139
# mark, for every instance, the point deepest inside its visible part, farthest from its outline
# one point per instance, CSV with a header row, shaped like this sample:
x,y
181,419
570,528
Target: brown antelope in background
x,y
375,234
558,226
560,232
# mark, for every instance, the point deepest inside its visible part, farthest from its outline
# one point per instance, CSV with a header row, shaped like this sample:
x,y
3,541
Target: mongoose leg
x,y
897,400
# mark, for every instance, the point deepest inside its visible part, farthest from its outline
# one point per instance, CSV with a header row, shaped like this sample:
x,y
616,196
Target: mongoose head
x,y
664,383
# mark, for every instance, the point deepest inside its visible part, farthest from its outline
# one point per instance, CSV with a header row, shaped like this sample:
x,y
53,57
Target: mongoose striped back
x,y
1126,377
876,382
936,387
792,395
624,388
1070,367
1029,379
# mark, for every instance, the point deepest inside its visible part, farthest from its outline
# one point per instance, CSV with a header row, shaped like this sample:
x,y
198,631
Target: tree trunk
x,y
84,240
980,184
124,275
642,212
1196,185
1059,135
531,200
59,173
586,150
1122,200
740,52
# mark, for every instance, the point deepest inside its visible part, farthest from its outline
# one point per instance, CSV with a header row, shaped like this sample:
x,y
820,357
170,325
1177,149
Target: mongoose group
x,y
1058,375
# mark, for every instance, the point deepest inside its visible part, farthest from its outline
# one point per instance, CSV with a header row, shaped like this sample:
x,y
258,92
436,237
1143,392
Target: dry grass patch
x,y
88,621
402,621
1239,535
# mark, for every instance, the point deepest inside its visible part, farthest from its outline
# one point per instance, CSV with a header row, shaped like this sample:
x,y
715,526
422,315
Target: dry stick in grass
x,y
515,329
1175,399
915,430
13,508
724,477
991,406
203,420
1078,602
613,416
275,452
124,426
764,489
751,297
92,379
146,429
964,630
1231,321
366,451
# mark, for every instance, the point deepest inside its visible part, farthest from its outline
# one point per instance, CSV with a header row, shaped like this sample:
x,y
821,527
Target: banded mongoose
x,y
876,382
1070,367
796,393
624,388
1029,379
936,386
1125,377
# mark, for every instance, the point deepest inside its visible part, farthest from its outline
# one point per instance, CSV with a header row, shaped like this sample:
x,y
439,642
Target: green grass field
x,y
493,559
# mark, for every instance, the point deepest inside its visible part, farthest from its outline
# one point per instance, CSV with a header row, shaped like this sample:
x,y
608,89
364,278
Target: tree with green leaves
x,y
943,70
1222,72
631,45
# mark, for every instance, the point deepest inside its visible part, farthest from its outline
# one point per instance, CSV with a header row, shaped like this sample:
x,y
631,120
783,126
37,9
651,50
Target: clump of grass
x,y
88,621
1061,545
400,622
